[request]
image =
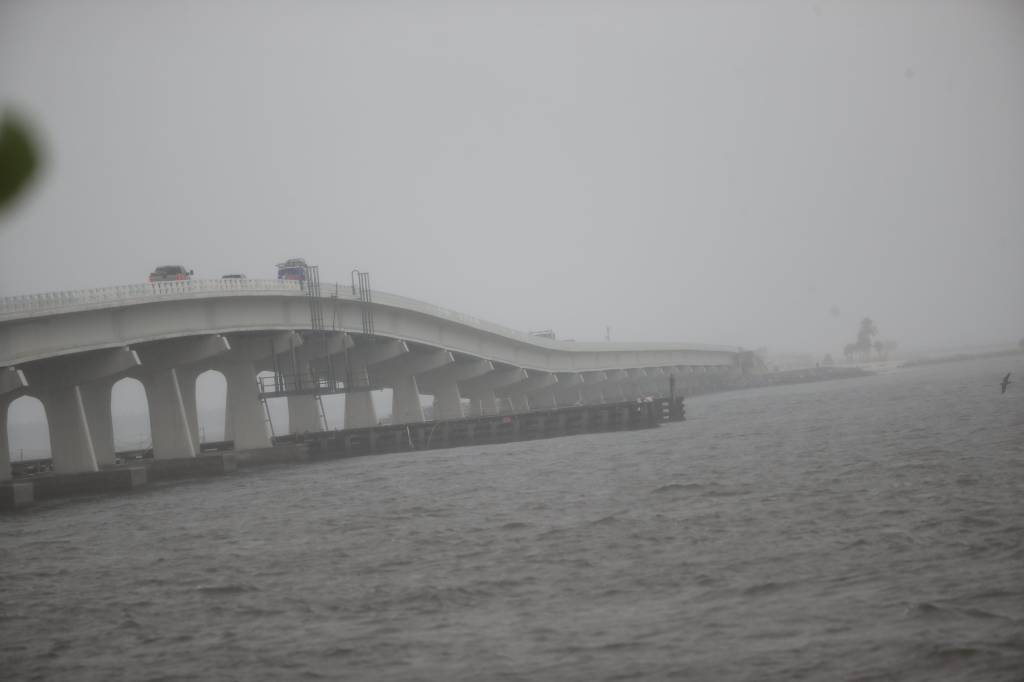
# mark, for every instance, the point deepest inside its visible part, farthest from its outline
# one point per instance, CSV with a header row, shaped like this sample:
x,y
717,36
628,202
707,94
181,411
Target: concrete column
x,y
187,377
482,404
303,414
96,397
632,386
521,396
567,391
405,401
70,440
544,399
482,390
5,443
359,410
614,387
400,374
447,401
229,430
245,413
592,390
168,418
518,403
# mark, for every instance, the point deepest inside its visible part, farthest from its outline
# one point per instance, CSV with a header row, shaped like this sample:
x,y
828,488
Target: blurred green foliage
x,y
19,159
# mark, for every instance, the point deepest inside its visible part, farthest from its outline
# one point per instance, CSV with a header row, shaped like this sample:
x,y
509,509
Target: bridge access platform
x,y
491,429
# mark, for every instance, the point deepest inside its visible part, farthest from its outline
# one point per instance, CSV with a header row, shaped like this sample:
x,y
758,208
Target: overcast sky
x,y
748,173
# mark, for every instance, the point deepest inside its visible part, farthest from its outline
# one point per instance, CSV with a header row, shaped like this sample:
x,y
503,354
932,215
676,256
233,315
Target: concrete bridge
x,y
69,348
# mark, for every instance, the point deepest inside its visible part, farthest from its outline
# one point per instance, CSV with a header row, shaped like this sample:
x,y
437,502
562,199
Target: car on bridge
x,y
293,268
170,273
233,276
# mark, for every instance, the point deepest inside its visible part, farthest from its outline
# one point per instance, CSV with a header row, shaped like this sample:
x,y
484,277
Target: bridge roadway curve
x,y
69,348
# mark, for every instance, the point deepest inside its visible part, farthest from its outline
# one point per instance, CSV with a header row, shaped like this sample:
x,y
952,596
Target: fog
x,y
755,174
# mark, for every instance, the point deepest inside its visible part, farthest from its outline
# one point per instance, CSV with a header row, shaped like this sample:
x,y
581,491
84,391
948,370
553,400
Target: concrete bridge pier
x,y
246,420
568,390
651,384
614,386
64,386
70,440
12,381
482,390
168,372
443,384
304,414
633,386
406,407
447,400
520,396
400,374
362,357
96,397
5,446
245,413
168,419
592,389
359,410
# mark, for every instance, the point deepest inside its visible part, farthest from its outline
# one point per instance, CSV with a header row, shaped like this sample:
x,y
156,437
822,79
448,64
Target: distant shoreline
x,y
960,357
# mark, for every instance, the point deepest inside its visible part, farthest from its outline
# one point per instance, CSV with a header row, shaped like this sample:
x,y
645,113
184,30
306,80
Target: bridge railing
x,y
67,301
32,305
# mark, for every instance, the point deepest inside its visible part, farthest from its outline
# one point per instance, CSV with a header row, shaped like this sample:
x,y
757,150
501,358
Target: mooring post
x,y
673,409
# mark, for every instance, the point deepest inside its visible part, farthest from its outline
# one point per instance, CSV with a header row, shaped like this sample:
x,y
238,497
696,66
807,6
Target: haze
x,y
755,174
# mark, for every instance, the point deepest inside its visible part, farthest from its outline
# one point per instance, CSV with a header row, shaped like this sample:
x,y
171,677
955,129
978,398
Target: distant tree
x,y
828,361
1021,343
879,349
849,350
868,330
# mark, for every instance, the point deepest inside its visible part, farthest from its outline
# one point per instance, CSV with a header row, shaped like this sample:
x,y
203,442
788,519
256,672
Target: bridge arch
x,y
24,433
129,409
211,396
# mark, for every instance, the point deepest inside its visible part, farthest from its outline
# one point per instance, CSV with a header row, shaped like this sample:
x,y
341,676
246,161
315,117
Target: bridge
x,y
69,348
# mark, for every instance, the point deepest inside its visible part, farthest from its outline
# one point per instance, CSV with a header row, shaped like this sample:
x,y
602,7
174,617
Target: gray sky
x,y
720,172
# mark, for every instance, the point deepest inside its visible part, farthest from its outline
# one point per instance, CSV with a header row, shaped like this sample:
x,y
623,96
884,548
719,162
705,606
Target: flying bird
x,y
1006,381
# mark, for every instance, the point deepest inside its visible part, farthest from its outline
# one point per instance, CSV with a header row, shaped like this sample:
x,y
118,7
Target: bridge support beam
x,y
443,384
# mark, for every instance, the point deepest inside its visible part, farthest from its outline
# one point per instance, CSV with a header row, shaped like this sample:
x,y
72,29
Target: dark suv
x,y
170,273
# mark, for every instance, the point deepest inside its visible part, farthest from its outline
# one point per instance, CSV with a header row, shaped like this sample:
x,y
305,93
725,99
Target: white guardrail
x,y
76,300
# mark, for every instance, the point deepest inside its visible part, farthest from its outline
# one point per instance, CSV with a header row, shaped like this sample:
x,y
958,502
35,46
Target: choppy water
x,y
860,529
